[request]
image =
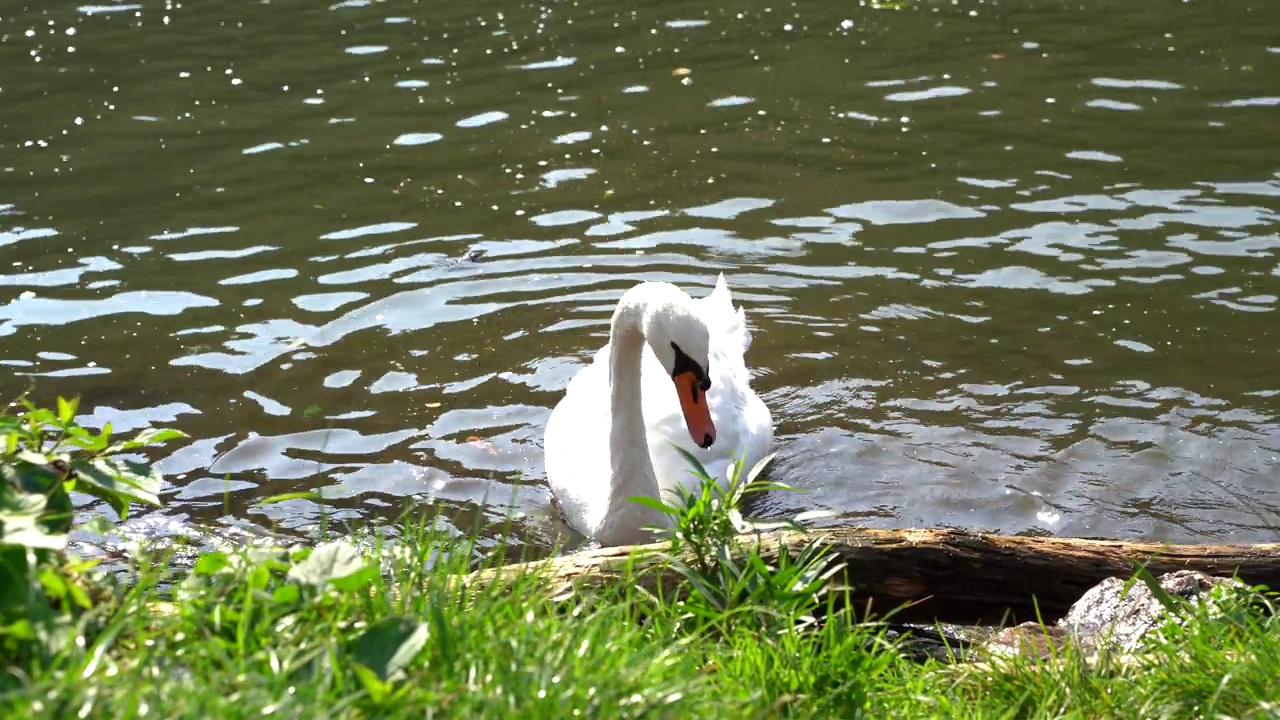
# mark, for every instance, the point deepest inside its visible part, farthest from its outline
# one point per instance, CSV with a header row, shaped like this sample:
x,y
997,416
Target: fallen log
x,y
945,575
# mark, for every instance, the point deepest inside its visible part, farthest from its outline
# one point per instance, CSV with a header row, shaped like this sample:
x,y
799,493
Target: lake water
x,y
1010,266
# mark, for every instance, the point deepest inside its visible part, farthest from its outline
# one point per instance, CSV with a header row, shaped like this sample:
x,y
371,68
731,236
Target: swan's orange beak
x,y
697,414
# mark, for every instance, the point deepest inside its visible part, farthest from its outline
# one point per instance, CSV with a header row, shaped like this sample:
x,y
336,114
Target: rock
x,y
1107,617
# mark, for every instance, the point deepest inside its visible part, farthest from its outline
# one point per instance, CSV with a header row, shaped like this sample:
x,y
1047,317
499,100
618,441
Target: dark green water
x,y
1011,265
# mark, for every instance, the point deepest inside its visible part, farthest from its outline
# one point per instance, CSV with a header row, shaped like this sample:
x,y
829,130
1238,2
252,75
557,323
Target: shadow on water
x,y
1007,268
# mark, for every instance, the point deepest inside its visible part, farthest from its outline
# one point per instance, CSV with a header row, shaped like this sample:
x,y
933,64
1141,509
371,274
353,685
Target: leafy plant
x,y
44,456
727,581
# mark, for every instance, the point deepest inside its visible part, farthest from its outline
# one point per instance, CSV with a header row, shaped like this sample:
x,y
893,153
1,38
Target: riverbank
x,y
334,632
367,627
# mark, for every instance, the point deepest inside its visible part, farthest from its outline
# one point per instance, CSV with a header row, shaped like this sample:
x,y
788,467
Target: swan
x,y
673,371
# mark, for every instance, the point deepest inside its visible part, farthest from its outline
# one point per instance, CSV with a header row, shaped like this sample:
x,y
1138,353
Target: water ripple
x,y
991,281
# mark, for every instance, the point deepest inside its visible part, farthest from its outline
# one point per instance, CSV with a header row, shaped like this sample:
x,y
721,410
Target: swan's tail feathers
x,y
722,288
727,319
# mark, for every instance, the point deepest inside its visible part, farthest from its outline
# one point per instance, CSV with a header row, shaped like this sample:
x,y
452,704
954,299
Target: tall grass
x,y
387,629
305,633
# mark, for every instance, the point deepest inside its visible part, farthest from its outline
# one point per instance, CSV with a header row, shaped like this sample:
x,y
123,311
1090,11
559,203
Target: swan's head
x,y
680,339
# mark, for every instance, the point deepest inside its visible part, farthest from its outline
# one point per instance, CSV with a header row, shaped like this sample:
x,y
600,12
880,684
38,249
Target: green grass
x,y
388,630
324,634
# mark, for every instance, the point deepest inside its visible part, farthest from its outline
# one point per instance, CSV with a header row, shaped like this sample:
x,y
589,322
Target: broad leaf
x,y
286,595
356,580
377,689
35,458
388,646
29,477
211,563
38,496
85,440
38,417
331,564
20,523
118,482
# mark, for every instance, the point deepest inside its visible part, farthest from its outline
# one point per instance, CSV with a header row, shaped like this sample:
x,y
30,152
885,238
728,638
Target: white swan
x,y
678,375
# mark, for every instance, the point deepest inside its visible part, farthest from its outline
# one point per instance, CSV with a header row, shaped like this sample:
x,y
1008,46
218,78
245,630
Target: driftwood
x,y
950,576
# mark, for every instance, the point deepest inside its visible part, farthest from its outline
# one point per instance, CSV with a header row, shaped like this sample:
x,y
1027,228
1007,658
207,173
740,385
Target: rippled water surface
x,y
1010,266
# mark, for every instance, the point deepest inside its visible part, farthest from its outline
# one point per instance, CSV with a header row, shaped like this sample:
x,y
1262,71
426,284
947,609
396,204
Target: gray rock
x,y
1105,618
1108,617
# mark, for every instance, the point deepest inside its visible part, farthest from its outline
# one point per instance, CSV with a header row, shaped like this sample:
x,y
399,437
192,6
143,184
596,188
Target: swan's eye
x,y
686,364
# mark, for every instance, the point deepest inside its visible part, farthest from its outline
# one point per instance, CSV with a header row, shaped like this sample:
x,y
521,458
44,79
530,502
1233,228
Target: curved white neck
x,y
630,467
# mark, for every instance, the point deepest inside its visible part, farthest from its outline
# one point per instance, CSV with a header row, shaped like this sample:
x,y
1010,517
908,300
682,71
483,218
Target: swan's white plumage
x,y
577,433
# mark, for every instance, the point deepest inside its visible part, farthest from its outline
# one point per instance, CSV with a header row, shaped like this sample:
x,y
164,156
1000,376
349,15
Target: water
x,y
1009,266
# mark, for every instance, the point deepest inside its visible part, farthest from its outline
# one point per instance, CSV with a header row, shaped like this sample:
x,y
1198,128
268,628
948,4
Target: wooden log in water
x,y
952,576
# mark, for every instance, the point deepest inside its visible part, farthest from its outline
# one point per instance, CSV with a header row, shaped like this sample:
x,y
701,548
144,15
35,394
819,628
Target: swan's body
x,y
608,441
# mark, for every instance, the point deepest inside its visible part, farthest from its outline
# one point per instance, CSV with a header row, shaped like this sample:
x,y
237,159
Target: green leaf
x,y
259,577
20,630
54,584
759,467
654,504
118,482
28,456
311,410
98,524
16,581
282,497
286,595
356,580
148,436
331,563
26,477
388,646
698,469
85,440
21,523
444,640
30,534
377,689
37,417
67,409
1170,602
79,596
211,563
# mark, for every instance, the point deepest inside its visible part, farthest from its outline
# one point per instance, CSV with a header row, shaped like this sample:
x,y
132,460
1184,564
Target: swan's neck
x,y
630,466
